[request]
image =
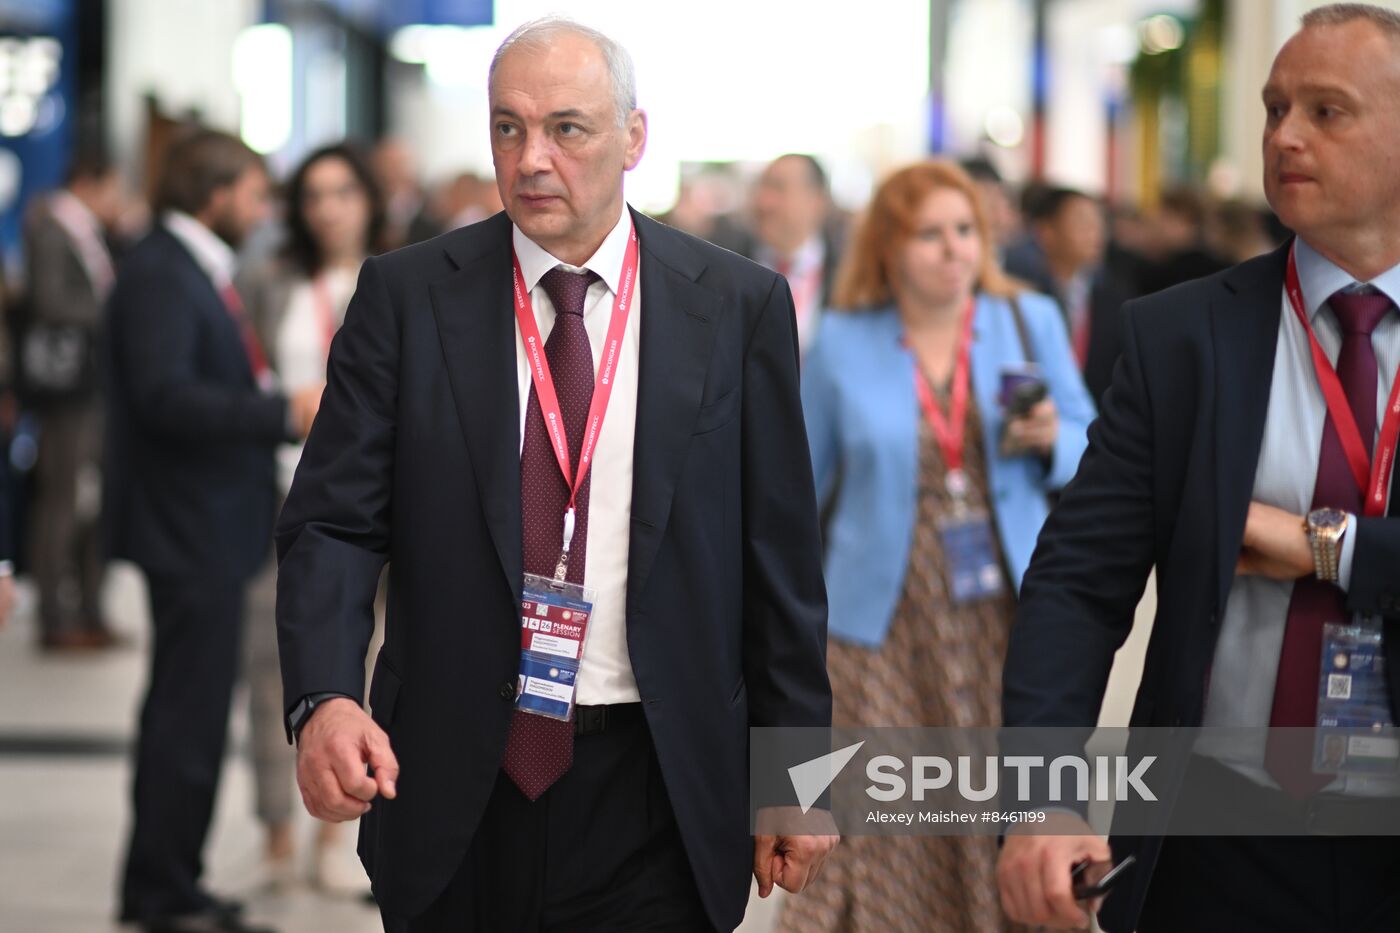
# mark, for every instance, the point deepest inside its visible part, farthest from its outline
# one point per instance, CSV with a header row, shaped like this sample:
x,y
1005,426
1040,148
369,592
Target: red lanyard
x,y
805,291
949,430
325,310
1372,478
602,389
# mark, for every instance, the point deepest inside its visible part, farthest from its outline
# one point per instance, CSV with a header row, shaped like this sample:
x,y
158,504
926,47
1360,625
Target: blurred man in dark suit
x,y
1064,258
791,208
1180,233
193,423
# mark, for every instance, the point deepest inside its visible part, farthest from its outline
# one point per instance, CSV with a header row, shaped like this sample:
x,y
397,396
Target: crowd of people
x,y
1088,256
932,244
955,339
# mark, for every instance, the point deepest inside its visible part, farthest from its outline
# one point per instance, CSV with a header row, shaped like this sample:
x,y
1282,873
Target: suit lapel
x,y
677,333
1245,328
472,308
214,305
678,323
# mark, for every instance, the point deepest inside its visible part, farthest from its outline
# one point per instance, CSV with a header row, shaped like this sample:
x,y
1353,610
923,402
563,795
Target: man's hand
x,y
1275,545
304,404
336,744
1033,872
1033,432
791,861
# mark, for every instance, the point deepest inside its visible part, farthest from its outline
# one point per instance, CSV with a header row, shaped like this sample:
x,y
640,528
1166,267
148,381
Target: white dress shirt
x,y
1245,666
605,674
214,256
806,272
219,262
85,232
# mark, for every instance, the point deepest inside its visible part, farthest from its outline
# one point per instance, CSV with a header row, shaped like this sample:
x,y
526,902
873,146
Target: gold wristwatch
x,y
1325,528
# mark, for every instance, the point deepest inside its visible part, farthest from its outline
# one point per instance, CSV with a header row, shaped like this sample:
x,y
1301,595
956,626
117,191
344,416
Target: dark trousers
x,y
66,557
1274,884
1269,884
599,851
184,725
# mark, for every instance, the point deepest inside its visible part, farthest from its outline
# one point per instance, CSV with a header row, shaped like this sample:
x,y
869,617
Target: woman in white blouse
x,y
334,218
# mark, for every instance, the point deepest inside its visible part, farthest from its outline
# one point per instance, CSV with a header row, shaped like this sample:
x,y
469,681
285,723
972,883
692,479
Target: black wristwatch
x,y
300,713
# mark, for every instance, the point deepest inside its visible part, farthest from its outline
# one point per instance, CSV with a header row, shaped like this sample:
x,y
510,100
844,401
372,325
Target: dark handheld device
x,y
1084,891
1024,396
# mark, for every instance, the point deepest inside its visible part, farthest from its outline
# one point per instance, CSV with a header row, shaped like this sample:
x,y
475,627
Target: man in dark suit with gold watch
x,y
1245,449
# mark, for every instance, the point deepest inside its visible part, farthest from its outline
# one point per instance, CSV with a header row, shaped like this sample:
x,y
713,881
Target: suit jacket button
x,y
506,690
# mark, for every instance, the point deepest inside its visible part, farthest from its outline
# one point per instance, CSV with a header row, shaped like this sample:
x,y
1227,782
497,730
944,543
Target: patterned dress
x,y
940,665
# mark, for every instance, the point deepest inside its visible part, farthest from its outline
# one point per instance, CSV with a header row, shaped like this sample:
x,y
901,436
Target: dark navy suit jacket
x,y
189,477
1166,482
415,460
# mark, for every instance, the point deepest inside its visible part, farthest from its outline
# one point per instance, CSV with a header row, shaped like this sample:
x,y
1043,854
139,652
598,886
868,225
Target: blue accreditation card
x,y
969,551
1354,731
546,687
554,620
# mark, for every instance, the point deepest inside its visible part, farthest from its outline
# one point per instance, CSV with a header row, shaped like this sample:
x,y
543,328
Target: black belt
x,y
592,720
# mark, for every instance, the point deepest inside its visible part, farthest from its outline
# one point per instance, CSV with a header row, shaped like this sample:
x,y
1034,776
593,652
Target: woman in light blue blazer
x,y
933,494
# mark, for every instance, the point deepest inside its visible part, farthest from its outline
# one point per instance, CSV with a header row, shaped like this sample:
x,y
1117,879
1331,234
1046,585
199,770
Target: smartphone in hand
x,y
1085,890
1022,388
1024,397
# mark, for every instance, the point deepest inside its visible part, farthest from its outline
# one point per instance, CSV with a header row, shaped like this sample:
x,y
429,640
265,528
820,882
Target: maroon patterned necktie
x,y
541,749
1288,756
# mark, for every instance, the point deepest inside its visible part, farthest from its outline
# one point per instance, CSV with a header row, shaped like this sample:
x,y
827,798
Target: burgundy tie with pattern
x,y
540,749
1315,603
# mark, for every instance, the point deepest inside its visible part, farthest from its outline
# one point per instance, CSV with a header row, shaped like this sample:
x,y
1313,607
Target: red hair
x,y
864,279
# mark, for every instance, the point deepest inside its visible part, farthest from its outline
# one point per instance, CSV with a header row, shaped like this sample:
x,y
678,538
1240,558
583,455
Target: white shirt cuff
x,y
1348,548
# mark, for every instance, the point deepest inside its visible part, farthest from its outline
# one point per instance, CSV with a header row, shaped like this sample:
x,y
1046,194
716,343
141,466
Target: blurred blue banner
x,y
33,14
438,13
35,130
388,15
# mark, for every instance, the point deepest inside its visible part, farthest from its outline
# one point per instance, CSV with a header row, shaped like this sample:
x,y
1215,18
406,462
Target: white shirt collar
x,y
1321,278
812,253
535,260
214,256
67,205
